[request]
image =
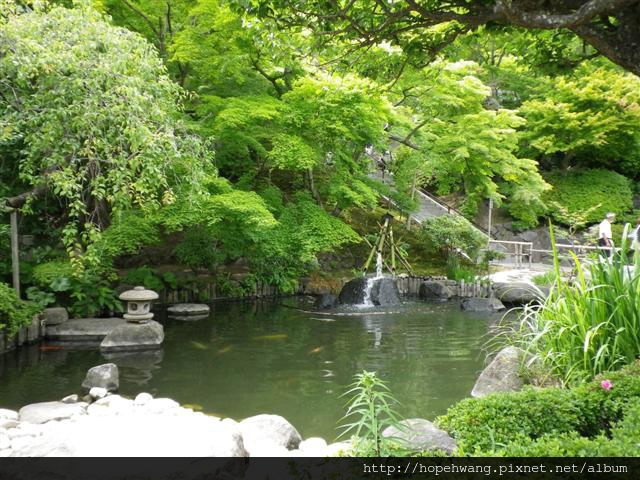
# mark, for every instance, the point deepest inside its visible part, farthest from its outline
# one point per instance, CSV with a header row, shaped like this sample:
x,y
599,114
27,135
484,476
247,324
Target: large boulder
x,y
103,376
434,290
264,431
54,316
47,411
518,293
502,374
418,434
134,336
474,304
353,292
385,292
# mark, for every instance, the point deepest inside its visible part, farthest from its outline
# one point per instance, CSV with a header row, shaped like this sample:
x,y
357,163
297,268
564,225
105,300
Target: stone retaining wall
x,y
29,334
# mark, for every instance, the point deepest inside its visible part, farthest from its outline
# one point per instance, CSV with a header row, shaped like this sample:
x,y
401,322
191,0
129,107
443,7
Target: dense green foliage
x,y
510,423
622,441
590,118
111,121
588,326
14,312
89,112
585,196
448,235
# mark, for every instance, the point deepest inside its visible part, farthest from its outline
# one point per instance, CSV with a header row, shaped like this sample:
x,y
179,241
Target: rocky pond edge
x,y
102,423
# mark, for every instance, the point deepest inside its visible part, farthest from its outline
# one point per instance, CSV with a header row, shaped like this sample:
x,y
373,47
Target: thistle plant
x,y
369,412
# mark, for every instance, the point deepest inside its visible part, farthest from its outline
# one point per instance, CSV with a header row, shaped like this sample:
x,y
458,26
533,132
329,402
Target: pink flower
x,y
606,384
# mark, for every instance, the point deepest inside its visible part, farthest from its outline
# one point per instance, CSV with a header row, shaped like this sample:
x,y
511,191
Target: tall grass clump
x,y
588,325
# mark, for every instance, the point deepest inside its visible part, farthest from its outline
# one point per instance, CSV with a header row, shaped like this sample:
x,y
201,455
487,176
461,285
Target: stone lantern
x,y
138,304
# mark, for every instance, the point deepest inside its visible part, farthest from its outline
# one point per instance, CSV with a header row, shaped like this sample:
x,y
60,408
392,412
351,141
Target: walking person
x,y
604,234
634,237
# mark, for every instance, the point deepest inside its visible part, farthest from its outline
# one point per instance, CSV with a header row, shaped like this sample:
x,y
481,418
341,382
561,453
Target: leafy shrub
x,y
150,279
14,312
484,424
92,295
585,196
46,273
199,249
624,441
448,233
42,298
487,425
457,272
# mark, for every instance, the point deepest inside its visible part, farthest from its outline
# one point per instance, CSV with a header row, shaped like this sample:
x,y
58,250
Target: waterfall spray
x,y
371,281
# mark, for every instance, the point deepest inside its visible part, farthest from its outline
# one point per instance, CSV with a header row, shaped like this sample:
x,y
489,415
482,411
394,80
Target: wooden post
x,y
15,254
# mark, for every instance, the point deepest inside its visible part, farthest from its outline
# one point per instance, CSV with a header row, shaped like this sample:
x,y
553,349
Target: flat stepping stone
x,y
188,318
183,309
84,329
134,336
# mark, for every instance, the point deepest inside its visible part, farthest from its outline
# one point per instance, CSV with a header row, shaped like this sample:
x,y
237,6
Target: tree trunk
x,y
312,187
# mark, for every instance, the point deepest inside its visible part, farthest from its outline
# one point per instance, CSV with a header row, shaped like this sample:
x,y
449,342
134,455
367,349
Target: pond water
x,y
277,357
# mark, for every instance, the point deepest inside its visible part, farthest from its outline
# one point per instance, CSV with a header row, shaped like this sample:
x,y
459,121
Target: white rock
x,y
313,447
71,399
98,392
46,411
5,441
161,405
22,442
8,414
338,448
116,404
263,431
7,452
24,430
143,398
7,424
269,450
98,410
140,435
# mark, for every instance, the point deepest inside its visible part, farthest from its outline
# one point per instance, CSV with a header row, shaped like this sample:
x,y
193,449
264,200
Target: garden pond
x,y
278,357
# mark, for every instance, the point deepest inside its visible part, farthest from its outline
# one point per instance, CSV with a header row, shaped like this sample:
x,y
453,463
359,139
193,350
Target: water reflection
x,y
136,367
249,358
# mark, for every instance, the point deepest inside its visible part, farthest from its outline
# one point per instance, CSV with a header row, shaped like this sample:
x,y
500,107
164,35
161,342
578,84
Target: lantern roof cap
x,y
139,294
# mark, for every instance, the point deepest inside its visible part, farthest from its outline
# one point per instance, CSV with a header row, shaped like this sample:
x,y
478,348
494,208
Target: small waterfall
x,y
370,281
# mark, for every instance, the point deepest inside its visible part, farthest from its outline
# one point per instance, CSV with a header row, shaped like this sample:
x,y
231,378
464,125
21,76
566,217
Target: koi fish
x,y
193,406
200,346
50,348
277,336
316,350
225,349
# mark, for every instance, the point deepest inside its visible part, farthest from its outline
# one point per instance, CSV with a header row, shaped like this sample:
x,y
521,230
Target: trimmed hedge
x,y
576,192
487,425
624,441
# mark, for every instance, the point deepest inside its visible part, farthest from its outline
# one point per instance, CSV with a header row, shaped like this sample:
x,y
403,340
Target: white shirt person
x,y
604,232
